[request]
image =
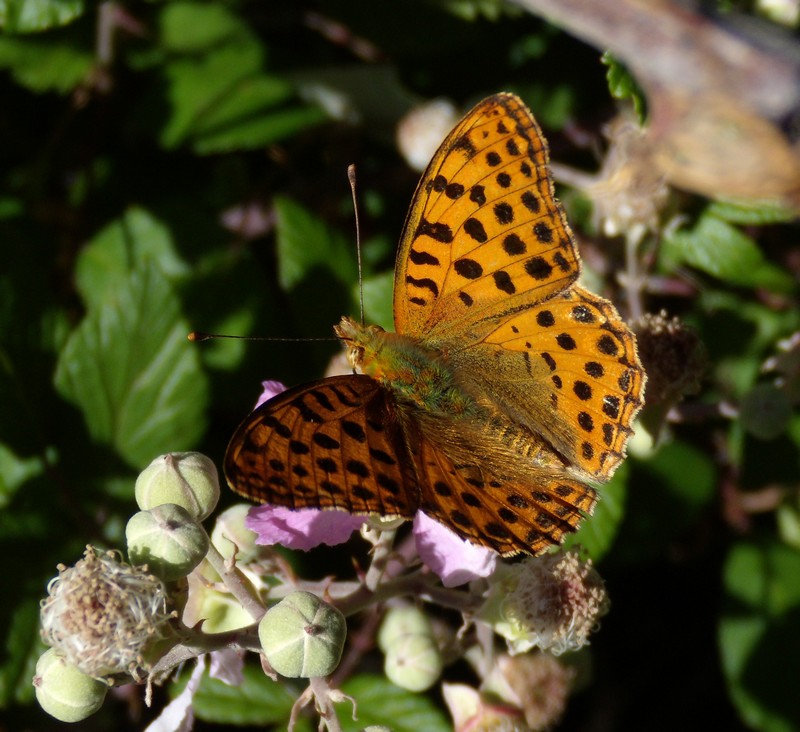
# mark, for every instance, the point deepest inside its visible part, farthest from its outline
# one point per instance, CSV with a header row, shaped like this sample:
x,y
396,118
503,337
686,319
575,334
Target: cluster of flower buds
x,y
108,621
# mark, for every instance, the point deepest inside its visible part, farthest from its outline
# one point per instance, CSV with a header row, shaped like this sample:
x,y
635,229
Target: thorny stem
x,y
198,644
633,238
381,552
418,584
324,697
237,583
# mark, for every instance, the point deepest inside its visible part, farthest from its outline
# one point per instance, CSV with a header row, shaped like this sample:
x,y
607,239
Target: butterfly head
x,y
362,342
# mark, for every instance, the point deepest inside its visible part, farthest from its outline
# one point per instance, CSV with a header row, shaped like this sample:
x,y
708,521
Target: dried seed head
x,y
107,617
552,602
673,357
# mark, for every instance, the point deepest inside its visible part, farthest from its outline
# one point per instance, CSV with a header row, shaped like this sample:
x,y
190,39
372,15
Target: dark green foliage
x,y
194,178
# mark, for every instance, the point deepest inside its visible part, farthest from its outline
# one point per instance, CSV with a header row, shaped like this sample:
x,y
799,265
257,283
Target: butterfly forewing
x,y
484,234
329,444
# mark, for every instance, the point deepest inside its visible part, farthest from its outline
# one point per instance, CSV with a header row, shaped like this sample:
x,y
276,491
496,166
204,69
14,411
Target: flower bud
x,y
167,539
188,479
377,728
537,683
420,132
473,712
401,622
64,692
209,603
230,535
413,663
303,636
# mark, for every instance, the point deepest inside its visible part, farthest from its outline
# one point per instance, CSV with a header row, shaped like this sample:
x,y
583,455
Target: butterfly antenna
x,y
351,176
197,335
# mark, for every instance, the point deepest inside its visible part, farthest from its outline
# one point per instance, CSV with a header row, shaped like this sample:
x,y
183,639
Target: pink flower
x,y
456,561
269,390
303,529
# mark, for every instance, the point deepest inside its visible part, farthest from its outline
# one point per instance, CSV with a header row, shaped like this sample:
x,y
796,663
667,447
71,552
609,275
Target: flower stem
x,y
237,583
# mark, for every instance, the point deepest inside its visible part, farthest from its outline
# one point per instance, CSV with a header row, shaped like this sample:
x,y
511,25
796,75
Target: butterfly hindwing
x,y
507,515
570,373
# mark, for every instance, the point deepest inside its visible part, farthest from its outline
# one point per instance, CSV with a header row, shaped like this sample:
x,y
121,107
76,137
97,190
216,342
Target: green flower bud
x,y
414,663
400,622
302,636
219,611
230,535
188,479
167,539
64,692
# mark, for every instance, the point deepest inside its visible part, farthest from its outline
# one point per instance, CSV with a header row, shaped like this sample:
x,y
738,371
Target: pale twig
x,y
237,583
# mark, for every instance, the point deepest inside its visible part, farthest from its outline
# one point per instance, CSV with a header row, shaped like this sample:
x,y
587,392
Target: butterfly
x,y
507,389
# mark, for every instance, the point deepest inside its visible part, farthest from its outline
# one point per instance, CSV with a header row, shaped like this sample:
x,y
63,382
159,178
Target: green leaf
x,y
221,99
133,374
719,249
755,213
758,631
305,242
27,16
765,411
674,485
472,10
11,207
598,531
378,299
622,85
193,27
14,472
196,84
381,702
257,701
131,241
554,103
45,64
23,648
687,473
246,120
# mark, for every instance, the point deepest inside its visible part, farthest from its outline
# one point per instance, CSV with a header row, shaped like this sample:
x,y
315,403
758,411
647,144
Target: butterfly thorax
x,y
413,373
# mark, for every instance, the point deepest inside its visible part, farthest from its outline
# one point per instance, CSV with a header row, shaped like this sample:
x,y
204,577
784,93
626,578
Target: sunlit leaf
x,y
381,702
133,374
26,16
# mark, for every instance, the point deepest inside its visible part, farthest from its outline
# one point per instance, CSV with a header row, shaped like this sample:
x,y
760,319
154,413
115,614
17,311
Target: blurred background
x,y
181,165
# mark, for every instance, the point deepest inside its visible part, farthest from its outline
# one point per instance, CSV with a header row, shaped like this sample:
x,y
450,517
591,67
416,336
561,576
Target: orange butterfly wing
x,y
484,234
329,444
